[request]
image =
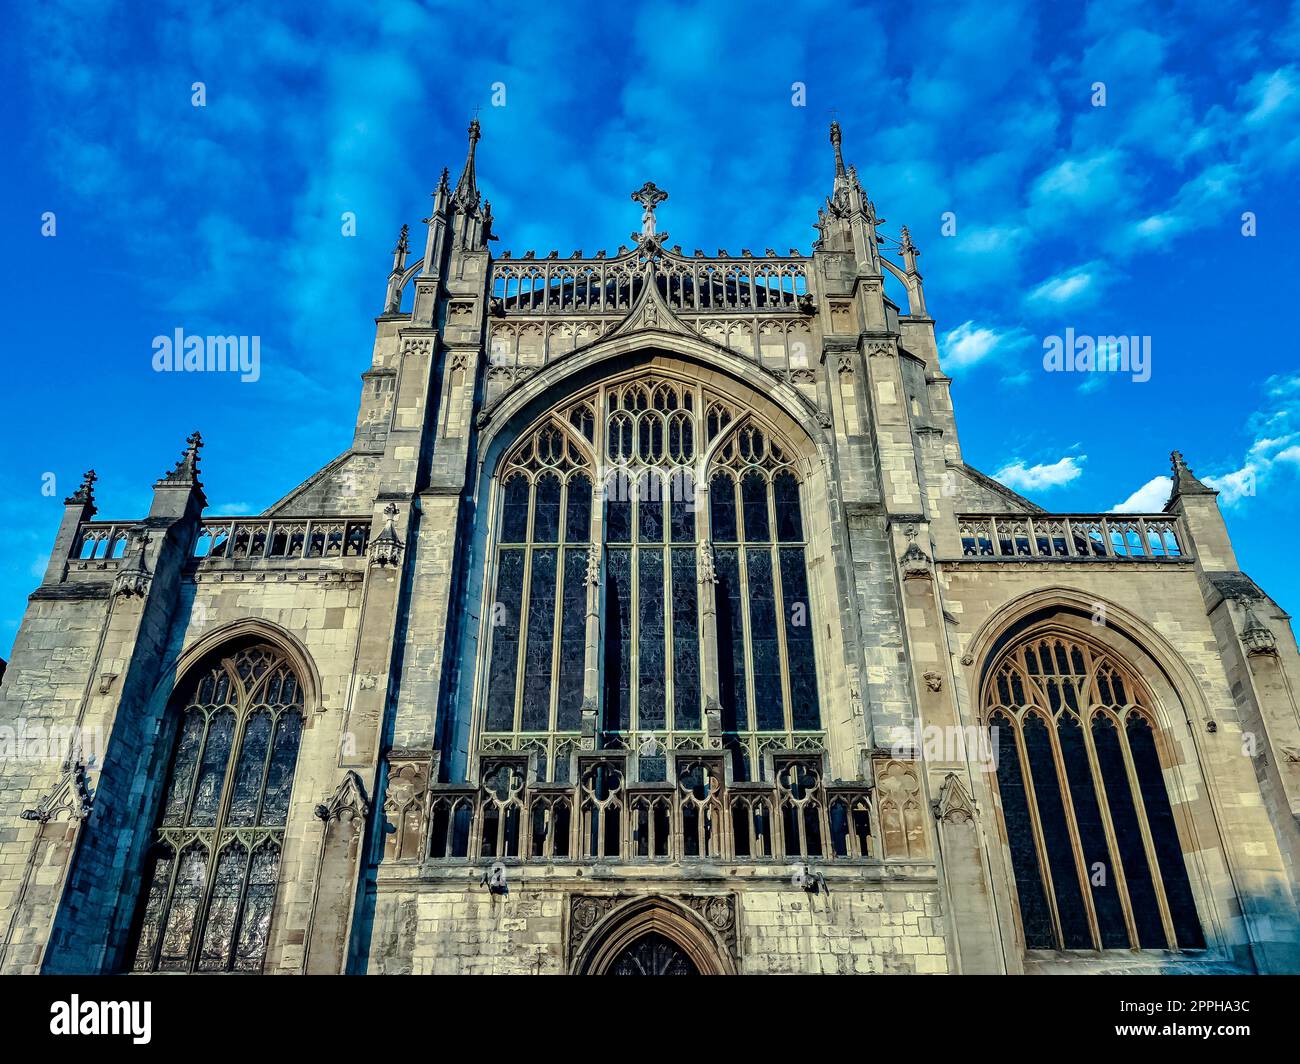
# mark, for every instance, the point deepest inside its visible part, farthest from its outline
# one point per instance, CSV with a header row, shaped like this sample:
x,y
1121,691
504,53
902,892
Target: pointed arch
x,y
1100,856
626,924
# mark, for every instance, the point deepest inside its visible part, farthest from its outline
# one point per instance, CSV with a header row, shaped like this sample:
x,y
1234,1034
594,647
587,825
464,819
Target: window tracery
x,y
216,854
1094,847
701,507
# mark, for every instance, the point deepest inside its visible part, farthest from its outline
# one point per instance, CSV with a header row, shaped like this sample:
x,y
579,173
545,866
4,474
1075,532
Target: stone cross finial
x,y
649,196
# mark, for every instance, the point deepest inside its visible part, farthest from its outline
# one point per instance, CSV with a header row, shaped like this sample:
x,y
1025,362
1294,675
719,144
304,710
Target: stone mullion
x,y
1040,842
1107,821
1148,843
1072,826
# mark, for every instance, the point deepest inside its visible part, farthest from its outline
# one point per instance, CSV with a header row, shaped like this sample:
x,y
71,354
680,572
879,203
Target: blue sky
x,y
1117,220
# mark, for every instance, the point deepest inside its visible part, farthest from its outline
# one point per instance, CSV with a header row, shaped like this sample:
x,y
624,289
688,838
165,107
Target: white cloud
x,y
1082,284
969,344
1148,499
1020,477
1275,427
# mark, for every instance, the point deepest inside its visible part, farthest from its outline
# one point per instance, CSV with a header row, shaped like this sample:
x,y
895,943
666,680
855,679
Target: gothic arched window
x,y
216,853
698,551
1094,847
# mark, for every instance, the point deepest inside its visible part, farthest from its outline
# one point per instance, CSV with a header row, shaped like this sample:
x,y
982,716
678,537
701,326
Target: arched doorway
x,y
652,954
653,936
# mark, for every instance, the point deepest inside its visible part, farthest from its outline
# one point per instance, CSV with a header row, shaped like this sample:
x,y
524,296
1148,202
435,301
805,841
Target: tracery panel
x,y
1094,846
224,809
652,504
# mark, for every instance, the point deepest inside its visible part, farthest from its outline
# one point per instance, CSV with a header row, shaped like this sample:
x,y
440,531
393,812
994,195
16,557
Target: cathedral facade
x,y
652,623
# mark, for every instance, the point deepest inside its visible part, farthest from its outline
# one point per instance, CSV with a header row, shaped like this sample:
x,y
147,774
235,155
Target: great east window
x,y
648,535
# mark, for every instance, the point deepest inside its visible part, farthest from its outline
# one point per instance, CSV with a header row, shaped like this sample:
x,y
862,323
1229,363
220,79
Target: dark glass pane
x,y
681,488
514,513
650,509
722,508
250,768
546,509
505,612
151,922
279,778
753,490
799,640
1164,834
573,640
578,505
1034,913
190,880
618,509
686,640
764,642
256,922
731,639
223,908
1128,834
184,763
789,520
650,640
212,769
618,638
1097,865
1056,836
541,643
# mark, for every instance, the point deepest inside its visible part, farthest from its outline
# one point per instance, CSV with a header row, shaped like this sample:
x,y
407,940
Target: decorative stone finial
x,y
915,562
836,137
909,251
1255,634
467,196
186,470
85,494
386,549
649,196
1185,481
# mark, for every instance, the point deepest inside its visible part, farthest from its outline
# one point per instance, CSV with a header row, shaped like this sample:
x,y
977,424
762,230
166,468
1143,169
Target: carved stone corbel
x,y
70,794
953,805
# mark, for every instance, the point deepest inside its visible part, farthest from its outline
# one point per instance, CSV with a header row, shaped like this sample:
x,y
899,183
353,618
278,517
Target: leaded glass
x,y
650,629
536,715
573,640
686,640
1118,876
644,579
193,903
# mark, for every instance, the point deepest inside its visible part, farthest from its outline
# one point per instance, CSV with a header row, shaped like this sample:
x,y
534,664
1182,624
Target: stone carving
x,y
348,797
716,911
132,579
387,547
649,196
708,574
933,681
915,562
953,805
85,494
70,795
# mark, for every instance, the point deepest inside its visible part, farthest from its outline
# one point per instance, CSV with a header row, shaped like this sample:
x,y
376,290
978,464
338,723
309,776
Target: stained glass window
x,y
536,615
701,522
223,812
1078,760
